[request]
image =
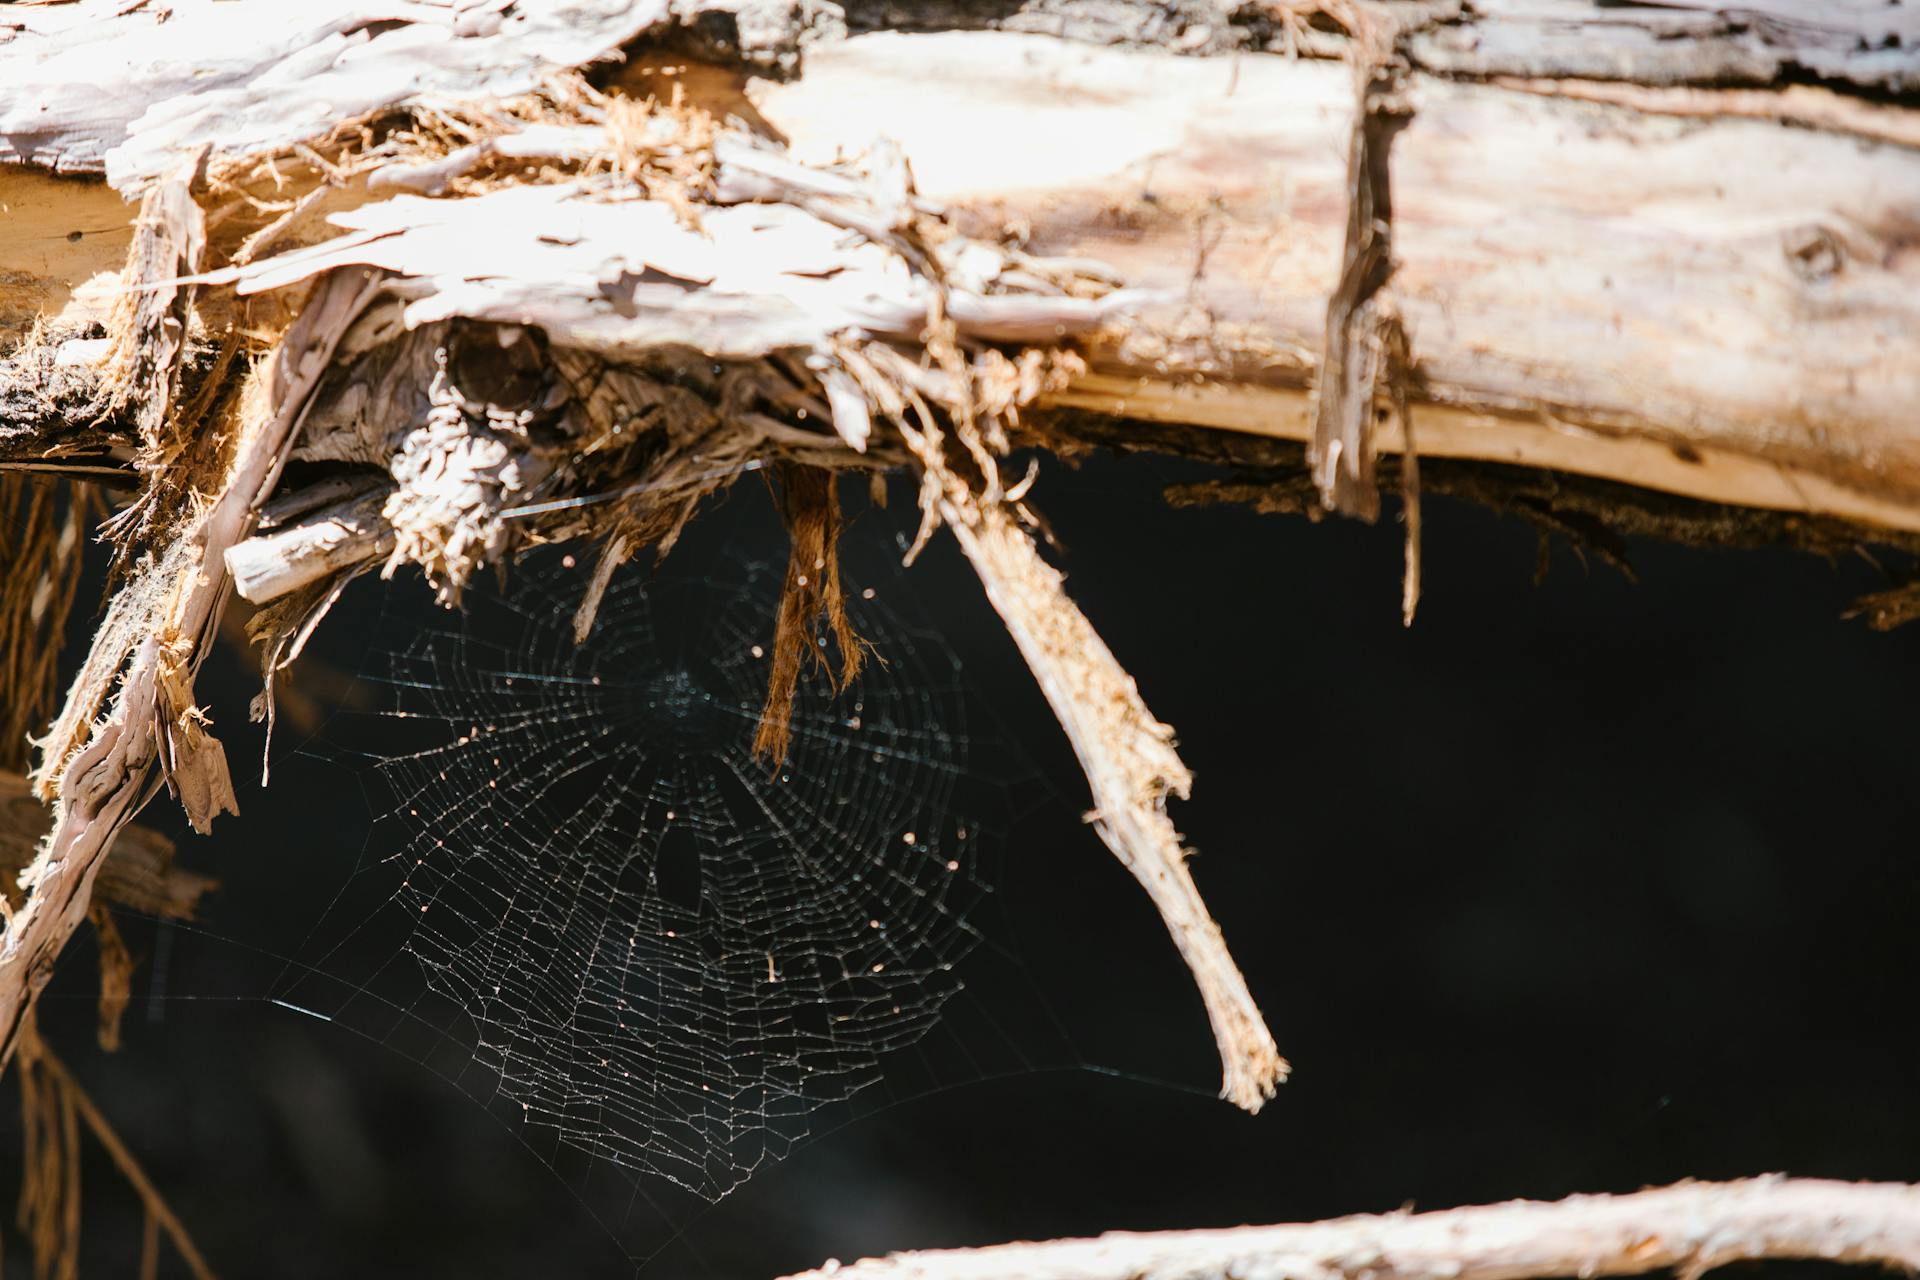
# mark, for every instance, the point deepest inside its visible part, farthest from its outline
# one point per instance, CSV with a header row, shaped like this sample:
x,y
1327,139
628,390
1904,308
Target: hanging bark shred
x,y
148,327
811,595
1365,354
1342,449
116,974
42,548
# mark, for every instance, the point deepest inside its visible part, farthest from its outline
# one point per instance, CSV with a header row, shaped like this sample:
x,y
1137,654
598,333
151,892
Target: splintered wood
x,y
1131,767
578,318
468,303
97,773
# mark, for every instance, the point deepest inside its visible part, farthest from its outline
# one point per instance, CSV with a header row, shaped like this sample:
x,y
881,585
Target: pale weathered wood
x,y
246,79
624,277
1690,1228
273,565
1727,310
1869,44
1129,759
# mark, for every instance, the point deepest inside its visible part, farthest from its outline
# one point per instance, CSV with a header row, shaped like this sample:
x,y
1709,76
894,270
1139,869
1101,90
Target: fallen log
x,y
519,305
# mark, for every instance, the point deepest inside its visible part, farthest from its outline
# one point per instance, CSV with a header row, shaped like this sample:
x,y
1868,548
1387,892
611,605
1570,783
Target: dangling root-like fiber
x,y
810,505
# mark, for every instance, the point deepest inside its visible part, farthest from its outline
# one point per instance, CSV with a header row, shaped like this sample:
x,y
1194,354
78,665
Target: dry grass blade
x,y
55,1111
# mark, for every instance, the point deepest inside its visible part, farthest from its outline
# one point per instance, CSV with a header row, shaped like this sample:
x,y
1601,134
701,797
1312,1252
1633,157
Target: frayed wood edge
x,y
175,606
140,376
811,592
1127,755
1394,362
1365,352
147,328
1689,1228
1341,453
41,560
280,630
612,556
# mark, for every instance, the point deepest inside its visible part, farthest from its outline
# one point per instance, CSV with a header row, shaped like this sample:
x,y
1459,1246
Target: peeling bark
x,y
1717,307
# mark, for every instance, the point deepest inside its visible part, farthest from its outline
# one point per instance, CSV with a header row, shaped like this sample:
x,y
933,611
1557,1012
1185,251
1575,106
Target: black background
x,y
1584,886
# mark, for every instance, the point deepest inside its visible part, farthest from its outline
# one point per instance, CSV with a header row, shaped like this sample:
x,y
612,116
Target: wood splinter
x,y
1127,755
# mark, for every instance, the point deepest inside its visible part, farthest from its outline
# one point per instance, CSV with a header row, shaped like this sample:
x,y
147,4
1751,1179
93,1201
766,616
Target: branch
x,y
1692,1227
153,640
340,536
1127,755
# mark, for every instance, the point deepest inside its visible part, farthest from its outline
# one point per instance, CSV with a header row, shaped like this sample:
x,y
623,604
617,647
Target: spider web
x,y
668,954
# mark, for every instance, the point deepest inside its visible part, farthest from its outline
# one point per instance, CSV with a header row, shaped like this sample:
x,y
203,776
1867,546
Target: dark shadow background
x,y
1572,888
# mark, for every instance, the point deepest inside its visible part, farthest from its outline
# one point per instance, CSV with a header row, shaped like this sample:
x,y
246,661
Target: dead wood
x,y
469,303
99,773
1129,760
1690,1228
1695,303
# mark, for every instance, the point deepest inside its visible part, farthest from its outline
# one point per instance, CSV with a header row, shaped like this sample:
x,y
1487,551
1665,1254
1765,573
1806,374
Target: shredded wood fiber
x,y
666,304
811,594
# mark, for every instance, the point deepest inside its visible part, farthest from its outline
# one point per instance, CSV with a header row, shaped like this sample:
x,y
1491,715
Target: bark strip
x,y
1351,365
810,506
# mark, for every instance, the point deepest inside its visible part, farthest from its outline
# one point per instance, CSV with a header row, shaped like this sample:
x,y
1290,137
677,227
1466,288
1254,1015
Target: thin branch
x,y
1128,757
1691,1227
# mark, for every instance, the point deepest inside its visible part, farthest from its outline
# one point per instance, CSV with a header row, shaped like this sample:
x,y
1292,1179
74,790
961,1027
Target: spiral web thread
x,y
669,954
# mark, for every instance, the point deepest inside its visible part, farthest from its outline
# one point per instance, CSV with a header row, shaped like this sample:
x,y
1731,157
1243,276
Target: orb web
x,y
671,953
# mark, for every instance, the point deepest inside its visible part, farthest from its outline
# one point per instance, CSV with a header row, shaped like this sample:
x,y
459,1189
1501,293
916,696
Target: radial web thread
x,y
670,954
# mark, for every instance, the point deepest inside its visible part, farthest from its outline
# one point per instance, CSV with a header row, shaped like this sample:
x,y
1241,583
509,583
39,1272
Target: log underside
x,y
1716,306
401,290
